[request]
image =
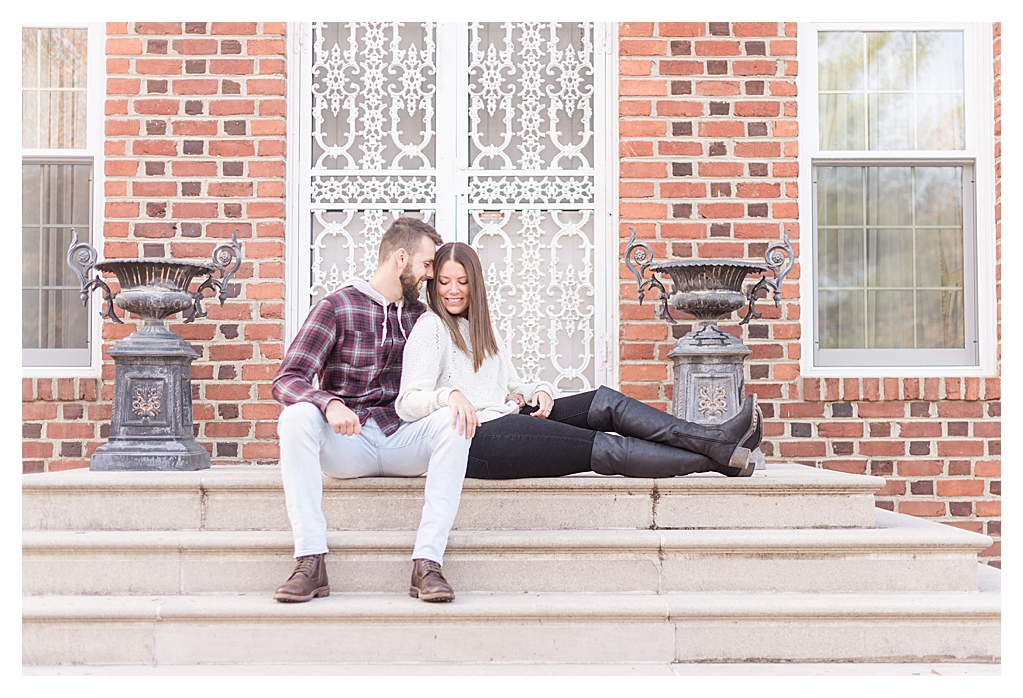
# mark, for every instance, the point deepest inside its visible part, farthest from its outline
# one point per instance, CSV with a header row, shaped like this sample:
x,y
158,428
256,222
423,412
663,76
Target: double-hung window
x,y
61,140
897,133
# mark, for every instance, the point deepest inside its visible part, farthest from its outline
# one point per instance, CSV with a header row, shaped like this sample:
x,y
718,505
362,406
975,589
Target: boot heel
x,y
741,463
740,458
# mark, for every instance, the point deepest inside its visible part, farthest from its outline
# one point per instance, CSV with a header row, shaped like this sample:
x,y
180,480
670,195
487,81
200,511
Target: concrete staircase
x,y
175,571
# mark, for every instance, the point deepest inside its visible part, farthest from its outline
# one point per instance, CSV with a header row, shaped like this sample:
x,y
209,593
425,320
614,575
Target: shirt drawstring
x,y
383,332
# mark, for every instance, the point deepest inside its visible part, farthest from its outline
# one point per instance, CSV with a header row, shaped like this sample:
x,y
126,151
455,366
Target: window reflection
x,y
53,87
55,198
891,90
890,257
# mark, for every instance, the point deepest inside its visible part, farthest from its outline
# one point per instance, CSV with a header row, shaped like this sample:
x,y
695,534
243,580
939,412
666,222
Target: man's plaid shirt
x,y
345,343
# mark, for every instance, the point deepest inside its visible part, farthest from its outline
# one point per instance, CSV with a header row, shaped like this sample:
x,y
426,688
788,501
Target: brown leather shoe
x,y
308,581
428,584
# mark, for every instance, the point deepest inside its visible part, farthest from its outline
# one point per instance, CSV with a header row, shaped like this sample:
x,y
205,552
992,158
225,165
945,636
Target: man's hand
x,y
341,419
544,402
464,417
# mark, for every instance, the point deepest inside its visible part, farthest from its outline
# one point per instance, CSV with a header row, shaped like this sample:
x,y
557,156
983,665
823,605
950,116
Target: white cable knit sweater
x,y
433,366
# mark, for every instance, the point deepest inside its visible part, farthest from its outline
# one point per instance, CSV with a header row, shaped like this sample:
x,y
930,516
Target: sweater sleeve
x,y
422,363
515,384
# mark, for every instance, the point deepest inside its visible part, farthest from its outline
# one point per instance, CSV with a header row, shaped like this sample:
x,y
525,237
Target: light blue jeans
x,y
429,445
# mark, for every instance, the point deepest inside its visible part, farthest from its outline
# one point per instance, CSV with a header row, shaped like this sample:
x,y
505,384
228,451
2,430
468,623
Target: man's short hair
x,y
406,233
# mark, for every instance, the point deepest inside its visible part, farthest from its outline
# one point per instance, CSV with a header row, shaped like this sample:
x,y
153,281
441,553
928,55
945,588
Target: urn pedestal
x,y
151,420
709,384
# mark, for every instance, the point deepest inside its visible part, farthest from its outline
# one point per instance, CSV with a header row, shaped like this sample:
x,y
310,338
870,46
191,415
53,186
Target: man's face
x,y
418,269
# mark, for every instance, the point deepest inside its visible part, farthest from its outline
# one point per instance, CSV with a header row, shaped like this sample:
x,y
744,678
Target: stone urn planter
x,y
708,362
151,416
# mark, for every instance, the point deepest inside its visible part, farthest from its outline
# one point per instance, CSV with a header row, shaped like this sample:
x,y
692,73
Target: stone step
x,y
251,499
902,554
991,668
483,628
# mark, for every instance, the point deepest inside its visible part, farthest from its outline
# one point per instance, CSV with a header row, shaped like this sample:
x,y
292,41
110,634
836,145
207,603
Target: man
x,y
347,427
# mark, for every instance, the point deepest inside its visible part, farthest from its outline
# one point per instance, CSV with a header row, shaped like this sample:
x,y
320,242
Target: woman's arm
x,y
425,357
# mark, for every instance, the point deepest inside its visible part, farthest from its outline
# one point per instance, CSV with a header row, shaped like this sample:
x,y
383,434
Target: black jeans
x,y
518,445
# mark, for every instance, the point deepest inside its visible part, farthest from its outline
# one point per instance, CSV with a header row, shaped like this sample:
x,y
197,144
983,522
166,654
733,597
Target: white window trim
x,y
978,64
93,152
612,162
297,259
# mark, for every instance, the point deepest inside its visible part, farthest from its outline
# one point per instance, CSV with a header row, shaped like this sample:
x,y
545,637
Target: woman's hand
x,y
464,417
544,403
518,398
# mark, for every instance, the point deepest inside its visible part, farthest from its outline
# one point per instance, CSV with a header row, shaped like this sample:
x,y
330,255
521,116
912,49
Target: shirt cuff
x,y
322,399
543,388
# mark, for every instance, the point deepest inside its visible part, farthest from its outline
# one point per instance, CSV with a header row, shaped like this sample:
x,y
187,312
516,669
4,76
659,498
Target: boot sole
x,y
439,596
758,433
295,598
741,455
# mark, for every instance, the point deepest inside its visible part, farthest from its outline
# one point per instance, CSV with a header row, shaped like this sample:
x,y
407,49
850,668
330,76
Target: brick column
x,y
195,148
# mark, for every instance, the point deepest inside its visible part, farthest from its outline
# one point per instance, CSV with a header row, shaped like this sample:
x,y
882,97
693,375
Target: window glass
x,y
55,198
890,257
891,90
54,70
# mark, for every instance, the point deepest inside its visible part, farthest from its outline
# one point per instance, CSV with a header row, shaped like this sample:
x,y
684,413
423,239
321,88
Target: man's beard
x,y
409,285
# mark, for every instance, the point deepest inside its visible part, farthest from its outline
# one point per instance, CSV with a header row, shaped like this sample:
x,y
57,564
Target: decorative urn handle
x,y
81,257
779,258
644,254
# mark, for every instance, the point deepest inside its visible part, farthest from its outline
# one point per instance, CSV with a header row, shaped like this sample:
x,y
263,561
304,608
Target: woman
x,y
454,357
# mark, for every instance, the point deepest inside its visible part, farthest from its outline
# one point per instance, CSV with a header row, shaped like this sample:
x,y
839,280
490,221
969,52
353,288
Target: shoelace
x,y
304,566
431,566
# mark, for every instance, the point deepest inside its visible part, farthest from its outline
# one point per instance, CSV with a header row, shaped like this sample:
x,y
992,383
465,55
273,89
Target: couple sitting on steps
x,y
405,389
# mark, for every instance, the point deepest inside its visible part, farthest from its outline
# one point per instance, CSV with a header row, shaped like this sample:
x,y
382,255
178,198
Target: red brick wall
x,y
63,422
709,165
195,148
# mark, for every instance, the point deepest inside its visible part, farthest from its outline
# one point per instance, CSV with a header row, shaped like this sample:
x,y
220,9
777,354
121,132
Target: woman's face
x,y
453,287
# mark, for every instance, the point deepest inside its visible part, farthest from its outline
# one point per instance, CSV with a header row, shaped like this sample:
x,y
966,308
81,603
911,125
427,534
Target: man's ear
x,y
400,257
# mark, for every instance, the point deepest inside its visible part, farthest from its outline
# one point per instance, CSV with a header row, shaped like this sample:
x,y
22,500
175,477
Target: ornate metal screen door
x,y
496,133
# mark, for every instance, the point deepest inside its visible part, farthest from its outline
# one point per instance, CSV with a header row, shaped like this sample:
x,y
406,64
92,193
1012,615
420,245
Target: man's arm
x,y
306,358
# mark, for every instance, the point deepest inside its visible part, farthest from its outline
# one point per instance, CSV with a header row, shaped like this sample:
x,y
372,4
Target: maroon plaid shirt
x,y
342,341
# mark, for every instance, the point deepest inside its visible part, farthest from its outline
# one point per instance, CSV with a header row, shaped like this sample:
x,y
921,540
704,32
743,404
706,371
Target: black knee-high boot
x,y
625,455
728,444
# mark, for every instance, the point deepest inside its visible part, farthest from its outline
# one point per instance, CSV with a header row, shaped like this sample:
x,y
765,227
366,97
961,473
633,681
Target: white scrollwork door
x,y
372,92
497,134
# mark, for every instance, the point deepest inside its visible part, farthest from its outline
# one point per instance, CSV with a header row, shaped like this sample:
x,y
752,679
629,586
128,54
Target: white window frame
x,y
978,66
297,223
92,154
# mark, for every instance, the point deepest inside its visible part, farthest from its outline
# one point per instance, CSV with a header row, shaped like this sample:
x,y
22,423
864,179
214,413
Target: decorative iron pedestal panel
x,y
709,384
151,421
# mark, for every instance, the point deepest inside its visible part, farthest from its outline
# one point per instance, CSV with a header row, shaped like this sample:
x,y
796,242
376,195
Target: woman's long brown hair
x,y
481,333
